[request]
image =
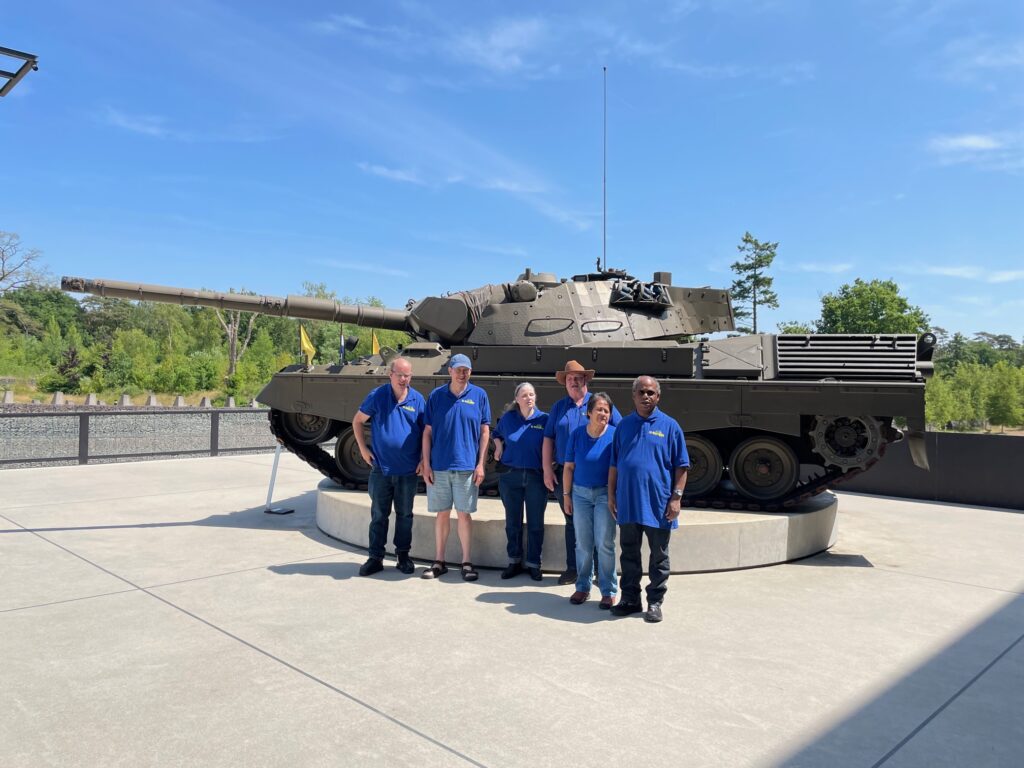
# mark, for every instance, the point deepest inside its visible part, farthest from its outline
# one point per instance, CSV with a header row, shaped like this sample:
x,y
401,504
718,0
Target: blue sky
x,y
401,149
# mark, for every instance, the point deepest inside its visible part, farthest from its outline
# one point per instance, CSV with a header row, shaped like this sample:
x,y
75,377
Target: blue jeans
x,y
521,488
386,490
594,527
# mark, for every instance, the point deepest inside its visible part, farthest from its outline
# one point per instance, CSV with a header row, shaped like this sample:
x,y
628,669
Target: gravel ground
x,y
47,435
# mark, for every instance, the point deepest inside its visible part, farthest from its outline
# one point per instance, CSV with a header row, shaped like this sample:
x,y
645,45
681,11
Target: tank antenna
x,y
604,179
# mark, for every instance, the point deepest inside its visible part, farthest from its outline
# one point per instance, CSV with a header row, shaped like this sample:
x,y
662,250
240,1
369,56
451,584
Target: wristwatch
x,y
677,494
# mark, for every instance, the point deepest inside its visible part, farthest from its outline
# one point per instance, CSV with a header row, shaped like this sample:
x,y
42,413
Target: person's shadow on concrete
x,y
339,571
546,604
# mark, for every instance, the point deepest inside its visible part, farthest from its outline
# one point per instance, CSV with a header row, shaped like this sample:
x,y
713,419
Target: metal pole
x,y
270,491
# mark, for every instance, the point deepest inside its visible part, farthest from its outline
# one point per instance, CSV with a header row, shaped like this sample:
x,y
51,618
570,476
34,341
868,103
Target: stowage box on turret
x,y
769,419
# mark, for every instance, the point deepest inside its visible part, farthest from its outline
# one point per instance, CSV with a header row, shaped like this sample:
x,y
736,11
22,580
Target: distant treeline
x,y
51,342
113,345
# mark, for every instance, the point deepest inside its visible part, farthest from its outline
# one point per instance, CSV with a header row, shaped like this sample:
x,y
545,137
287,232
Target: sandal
x,y
469,572
435,570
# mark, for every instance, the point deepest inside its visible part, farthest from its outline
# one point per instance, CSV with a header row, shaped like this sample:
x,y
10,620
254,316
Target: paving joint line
x,y
906,739
140,496
948,581
69,600
308,675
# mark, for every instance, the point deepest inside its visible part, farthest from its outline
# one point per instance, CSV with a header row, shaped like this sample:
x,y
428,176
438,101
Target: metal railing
x,y
129,434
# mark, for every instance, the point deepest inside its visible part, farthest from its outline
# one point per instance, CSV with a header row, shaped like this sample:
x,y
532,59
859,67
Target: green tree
x,y
940,407
752,287
870,307
1003,405
132,360
795,326
40,304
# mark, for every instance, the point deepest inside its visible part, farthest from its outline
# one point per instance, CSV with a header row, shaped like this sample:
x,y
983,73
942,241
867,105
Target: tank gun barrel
x,y
290,306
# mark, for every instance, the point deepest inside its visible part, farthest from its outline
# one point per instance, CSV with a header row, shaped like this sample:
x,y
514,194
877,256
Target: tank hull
x,y
775,419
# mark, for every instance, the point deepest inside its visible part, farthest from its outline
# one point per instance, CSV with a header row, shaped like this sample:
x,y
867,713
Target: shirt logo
x,y
407,408
656,433
536,426
467,401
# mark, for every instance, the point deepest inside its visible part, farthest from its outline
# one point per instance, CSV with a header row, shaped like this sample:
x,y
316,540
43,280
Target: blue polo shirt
x,y
396,429
455,423
522,438
646,453
591,455
565,418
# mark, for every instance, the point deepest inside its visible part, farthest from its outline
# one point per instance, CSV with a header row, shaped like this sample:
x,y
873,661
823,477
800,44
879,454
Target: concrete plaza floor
x,y
152,615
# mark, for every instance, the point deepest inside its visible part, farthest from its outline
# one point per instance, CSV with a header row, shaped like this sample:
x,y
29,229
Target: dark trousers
x,y
570,530
631,536
385,491
519,489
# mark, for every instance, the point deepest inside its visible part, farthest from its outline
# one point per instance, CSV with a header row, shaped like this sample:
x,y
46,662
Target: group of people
x,y
608,473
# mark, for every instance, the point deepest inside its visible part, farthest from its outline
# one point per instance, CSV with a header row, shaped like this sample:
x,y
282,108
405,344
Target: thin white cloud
x,y
828,268
980,59
158,127
362,266
147,125
1006,276
392,174
502,47
999,151
968,272
966,142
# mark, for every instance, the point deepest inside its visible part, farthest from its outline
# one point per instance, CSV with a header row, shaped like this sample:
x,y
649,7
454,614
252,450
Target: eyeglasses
x,y
648,392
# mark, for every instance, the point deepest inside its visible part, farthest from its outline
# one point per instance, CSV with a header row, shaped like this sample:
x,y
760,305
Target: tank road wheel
x,y
307,428
349,460
705,466
764,468
847,442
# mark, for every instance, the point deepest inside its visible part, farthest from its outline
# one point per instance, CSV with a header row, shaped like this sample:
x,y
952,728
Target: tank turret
x,y
536,309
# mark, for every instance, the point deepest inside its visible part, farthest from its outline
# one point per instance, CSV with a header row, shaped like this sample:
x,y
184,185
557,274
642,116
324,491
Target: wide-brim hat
x,y
573,367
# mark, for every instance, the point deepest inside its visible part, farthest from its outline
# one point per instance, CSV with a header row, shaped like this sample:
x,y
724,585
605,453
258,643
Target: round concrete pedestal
x,y
707,539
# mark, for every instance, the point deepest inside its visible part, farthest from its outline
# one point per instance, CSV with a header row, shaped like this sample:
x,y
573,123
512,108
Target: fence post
x,y
214,432
83,438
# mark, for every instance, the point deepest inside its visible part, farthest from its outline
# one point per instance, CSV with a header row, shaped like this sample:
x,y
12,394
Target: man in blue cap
x,y
455,437
395,412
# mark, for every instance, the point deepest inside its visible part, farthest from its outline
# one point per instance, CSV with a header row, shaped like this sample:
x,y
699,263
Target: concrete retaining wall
x,y
986,470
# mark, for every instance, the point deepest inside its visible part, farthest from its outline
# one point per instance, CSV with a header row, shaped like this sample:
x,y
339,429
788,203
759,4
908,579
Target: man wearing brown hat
x,y
566,415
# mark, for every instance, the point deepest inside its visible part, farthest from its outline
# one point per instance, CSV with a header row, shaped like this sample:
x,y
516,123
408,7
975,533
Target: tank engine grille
x,y
868,356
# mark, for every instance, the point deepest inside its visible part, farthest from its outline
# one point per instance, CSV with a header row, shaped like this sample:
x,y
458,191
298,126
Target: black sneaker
x,y
371,566
512,570
653,614
625,609
535,574
405,563
568,577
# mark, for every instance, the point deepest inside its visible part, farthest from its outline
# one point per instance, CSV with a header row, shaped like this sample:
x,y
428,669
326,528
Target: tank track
x,y
324,463
314,455
721,499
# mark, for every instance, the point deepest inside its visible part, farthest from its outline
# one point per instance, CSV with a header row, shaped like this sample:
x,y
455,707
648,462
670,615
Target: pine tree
x,y
753,287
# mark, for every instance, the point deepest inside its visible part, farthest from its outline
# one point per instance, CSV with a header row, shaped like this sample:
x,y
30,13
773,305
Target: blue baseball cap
x,y
460,361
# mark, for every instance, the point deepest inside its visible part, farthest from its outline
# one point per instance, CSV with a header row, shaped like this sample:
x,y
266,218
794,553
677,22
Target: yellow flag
x,y
374,344
307,346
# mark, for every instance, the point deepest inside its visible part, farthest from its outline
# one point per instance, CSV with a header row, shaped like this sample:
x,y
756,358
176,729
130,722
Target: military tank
x,y
769,419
